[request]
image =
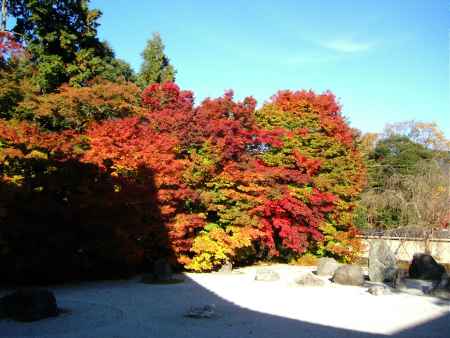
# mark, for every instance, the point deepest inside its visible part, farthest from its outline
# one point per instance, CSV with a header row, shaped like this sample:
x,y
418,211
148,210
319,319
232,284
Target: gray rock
x,y
29,305
326,266
226,268
377,290
2,310
349,275
398,281
309,279
207,311
382,262
424,266
444,283
442,288
162,270
440,293
266,275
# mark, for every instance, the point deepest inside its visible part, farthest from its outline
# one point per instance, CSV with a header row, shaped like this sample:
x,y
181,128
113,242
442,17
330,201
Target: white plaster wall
x,y
405,248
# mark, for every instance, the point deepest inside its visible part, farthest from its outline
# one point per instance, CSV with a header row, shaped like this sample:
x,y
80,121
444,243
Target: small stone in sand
x,y
266,275
206,311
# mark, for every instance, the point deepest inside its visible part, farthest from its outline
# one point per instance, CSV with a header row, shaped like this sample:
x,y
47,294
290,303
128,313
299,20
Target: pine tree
x,y
156,67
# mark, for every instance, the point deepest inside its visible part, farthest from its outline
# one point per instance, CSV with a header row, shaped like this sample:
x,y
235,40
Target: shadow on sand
x,y
130,309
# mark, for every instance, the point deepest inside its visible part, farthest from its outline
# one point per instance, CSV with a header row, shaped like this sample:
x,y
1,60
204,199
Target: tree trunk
x,y
4,14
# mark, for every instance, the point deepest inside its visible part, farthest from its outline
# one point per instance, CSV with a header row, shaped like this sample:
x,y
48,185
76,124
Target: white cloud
x,y
347,45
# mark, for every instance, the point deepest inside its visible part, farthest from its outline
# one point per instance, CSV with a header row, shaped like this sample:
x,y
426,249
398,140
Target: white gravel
x,y
244,308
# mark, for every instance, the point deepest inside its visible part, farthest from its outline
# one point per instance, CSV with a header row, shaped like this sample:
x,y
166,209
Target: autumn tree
x,y
156,67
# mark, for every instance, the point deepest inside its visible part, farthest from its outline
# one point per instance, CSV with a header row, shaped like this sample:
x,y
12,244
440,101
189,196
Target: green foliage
x,y
10,93
156,67
408,177
51,72
396,155
61,38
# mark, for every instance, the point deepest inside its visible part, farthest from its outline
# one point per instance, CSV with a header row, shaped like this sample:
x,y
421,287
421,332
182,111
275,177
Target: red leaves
x,y
212,170
158,97
27,137
311,166
293,223
9,47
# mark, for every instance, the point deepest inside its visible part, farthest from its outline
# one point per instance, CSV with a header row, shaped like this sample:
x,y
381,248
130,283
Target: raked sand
x,y
244,307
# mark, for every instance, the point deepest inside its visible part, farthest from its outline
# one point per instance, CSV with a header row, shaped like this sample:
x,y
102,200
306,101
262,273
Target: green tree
x,y
156,67
61,37
395,154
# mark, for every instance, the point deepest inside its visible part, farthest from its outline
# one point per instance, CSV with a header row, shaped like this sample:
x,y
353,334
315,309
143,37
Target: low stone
x,y
424,266
326,266
349,275
150,279
309,279
29,305
226,268
266,275
377,290
207,311
382,262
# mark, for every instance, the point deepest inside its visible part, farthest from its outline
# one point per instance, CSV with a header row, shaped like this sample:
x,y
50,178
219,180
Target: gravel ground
x,y
244,308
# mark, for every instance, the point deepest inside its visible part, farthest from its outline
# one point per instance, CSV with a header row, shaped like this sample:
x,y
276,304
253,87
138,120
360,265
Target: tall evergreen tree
x,y
61,37
156,67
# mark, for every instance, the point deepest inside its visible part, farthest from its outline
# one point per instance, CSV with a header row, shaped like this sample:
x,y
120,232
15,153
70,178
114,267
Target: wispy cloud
x,y
309,59
347,45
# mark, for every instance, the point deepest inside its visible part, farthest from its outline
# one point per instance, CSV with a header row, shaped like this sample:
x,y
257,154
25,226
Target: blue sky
x,y
385,60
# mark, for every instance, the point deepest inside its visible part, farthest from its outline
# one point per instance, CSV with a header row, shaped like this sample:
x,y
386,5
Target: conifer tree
x,y
61,37
156,67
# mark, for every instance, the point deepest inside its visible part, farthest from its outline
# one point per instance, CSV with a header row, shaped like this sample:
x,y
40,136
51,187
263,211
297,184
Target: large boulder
x,y
349,275
309,279
29,305
326,266
266,275
382,262
424,266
